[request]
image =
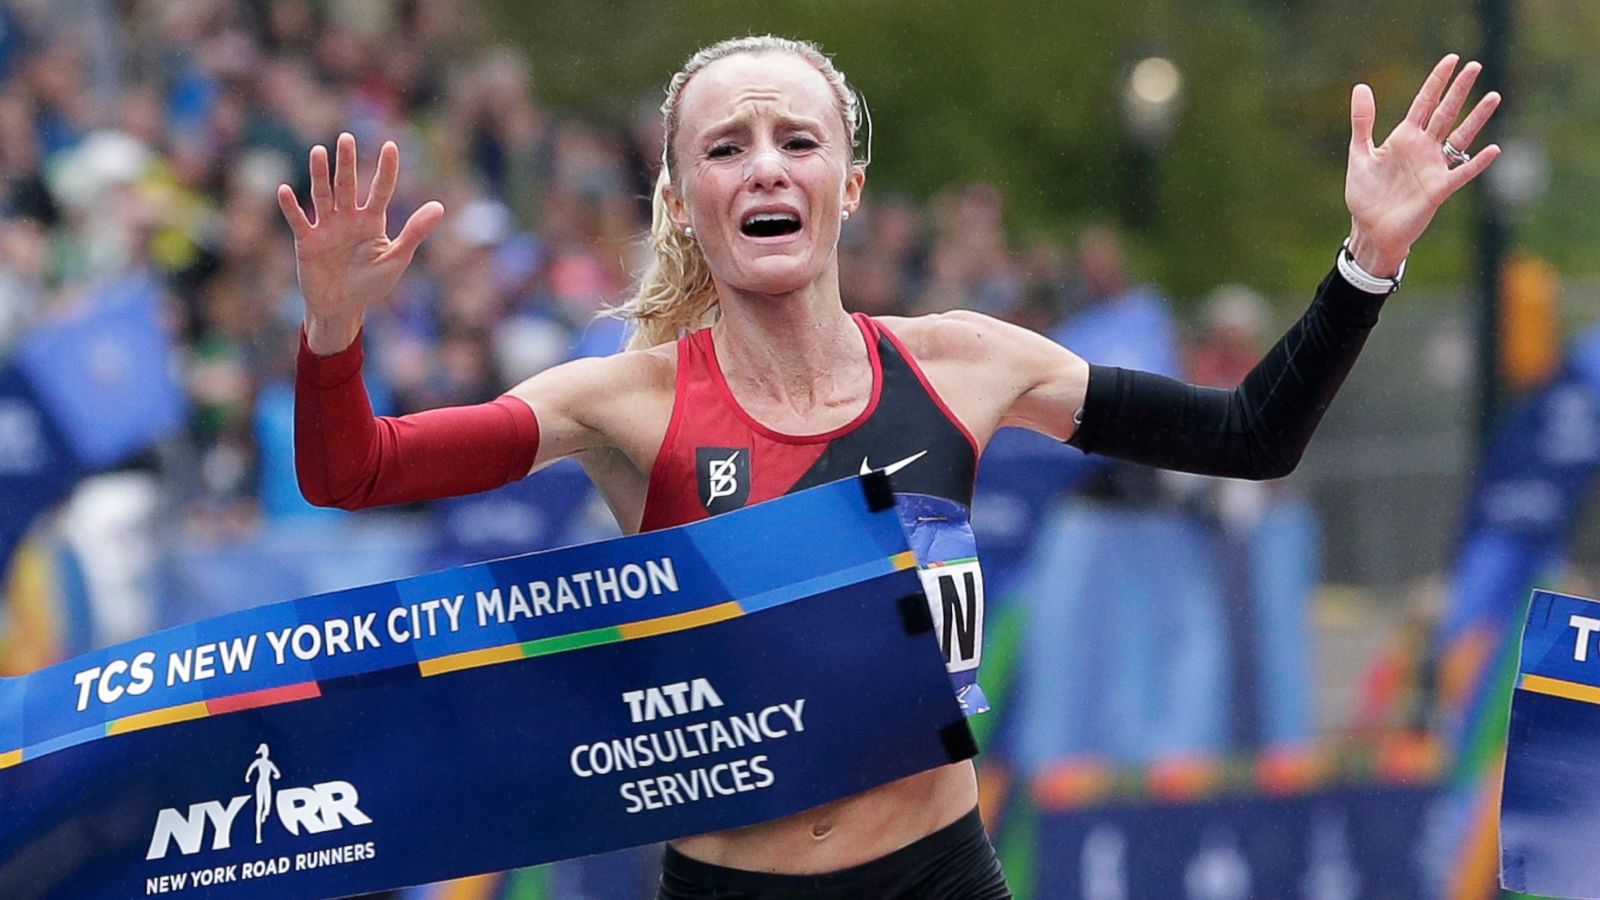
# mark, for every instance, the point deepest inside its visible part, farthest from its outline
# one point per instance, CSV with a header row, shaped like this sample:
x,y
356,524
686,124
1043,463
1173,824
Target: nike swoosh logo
x,y
891,469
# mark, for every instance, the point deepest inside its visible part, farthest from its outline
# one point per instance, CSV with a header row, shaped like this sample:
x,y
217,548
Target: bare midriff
x,y
847,832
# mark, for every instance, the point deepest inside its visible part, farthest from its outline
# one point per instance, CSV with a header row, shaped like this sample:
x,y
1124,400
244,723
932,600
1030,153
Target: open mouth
x,y
769,224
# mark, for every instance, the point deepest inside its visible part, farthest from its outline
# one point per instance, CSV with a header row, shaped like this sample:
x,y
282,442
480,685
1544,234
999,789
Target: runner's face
x,y
764,171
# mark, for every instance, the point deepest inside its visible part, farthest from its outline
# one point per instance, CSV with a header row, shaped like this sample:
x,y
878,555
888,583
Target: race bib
x,y
940,531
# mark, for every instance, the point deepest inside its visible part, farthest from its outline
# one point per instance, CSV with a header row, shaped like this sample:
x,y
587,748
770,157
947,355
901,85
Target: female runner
x,y
746,379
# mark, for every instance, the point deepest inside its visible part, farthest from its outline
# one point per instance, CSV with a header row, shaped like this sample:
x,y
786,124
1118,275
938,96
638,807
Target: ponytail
x,y
675,293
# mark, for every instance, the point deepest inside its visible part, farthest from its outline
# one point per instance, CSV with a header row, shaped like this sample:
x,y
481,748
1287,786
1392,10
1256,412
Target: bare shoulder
x,y
962,336
994,373
622,402
582,383
650,366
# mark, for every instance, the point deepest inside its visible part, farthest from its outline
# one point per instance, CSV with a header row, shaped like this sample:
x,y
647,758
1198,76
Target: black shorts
x,y
956,862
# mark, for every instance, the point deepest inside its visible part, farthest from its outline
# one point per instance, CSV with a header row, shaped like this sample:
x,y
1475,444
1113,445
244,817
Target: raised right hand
x,y
346,259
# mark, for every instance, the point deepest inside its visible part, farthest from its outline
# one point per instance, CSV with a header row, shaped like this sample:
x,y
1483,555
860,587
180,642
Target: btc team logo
x,y
724,477
327,806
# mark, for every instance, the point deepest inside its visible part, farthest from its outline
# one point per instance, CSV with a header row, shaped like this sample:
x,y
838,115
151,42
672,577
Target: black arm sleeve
x,y
1259,429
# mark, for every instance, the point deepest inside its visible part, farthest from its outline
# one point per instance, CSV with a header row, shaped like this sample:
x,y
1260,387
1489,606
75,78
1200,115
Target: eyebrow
x,y
742,119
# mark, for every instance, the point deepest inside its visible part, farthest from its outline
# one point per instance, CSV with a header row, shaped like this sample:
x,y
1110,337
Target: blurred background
x,y
1203,688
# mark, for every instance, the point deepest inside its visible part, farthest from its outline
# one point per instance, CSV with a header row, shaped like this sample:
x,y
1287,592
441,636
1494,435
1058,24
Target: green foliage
x,y
1025,94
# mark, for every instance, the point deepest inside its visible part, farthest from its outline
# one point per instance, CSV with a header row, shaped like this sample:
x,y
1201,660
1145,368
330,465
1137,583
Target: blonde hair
x,y
675,294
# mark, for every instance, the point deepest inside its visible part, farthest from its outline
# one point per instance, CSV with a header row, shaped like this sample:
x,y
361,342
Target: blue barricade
x,y
1126,616
1340,842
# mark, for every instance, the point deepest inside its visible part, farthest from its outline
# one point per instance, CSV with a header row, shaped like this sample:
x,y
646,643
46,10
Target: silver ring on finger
x,y
1455,156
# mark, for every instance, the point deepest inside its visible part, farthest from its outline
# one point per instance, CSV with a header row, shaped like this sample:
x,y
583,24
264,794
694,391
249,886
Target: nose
x,y
766,168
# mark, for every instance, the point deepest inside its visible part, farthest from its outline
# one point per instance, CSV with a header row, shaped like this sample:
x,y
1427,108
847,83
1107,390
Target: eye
x,y
800,144
722,151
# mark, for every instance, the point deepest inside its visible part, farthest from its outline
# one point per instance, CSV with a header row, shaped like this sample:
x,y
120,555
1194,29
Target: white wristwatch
x,y
1361,279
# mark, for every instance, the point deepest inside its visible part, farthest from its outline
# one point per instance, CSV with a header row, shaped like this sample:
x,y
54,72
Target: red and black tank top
x,y
716,457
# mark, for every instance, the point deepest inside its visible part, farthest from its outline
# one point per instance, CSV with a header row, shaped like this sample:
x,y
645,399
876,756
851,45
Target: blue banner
x,y
498,715
1550,809
37,467
85,390
106,372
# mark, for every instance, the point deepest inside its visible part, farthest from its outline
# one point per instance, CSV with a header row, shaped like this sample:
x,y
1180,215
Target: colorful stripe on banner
x,y
269,697
693,619
595,638
156,718
167,716
1555,687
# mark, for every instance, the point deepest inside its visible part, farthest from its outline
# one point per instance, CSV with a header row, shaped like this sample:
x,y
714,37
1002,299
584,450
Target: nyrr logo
x,y
724,477
328,806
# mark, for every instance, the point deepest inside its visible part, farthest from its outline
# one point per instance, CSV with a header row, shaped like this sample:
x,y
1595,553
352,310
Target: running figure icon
x,y
263,770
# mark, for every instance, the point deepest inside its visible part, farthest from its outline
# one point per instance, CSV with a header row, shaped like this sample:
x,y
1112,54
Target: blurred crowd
x,y
146,138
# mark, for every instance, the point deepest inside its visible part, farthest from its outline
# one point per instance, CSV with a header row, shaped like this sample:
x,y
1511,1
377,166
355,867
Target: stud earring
x,y
688,230
845,216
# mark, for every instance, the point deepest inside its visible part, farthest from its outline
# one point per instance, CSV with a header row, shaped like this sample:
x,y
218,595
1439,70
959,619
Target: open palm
x,y
346,259
1394,189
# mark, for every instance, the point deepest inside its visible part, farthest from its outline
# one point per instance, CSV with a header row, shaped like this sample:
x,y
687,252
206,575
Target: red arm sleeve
x,y
346,457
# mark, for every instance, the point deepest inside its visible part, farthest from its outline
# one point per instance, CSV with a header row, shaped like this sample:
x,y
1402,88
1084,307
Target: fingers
x,y
321,187
1467,132
298,223
416,229
344,173
1472,168
338,192
1363,110
1427,98
383,180
1449,108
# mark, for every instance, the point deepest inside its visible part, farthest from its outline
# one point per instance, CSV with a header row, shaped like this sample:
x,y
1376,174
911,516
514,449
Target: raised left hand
x,y
1394,189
